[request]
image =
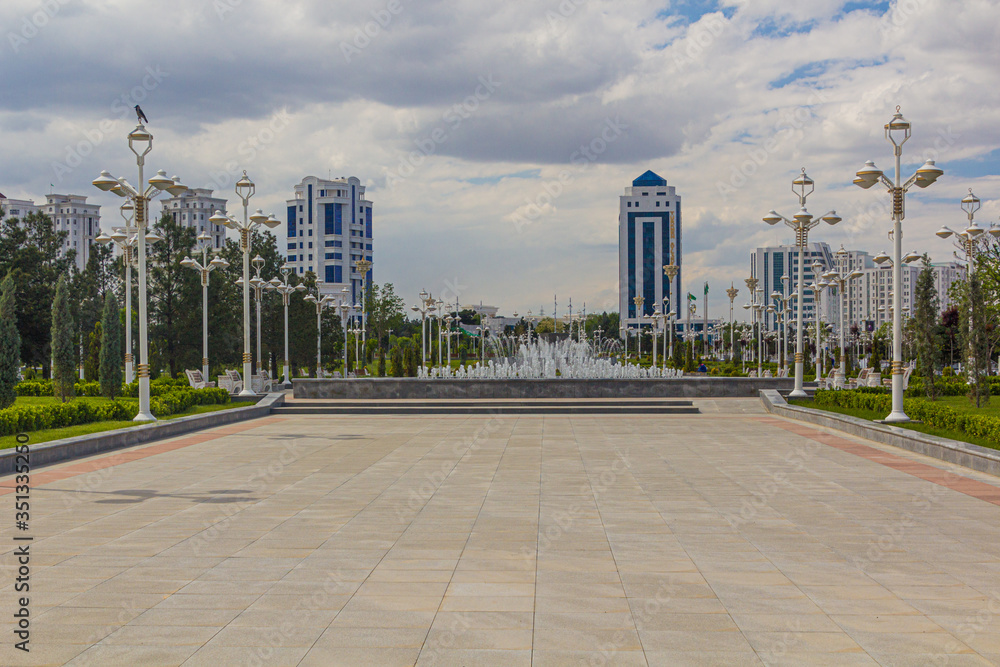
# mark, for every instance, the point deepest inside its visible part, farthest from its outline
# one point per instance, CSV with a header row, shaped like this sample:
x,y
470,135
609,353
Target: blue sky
x,y
726,99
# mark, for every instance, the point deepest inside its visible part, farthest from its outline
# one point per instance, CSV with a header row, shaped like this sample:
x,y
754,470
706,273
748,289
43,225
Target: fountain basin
x,y
401,388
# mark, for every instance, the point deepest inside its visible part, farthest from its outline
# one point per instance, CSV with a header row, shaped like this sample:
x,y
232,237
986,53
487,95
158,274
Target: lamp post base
x,y
144,417
896,417
247,393
798,393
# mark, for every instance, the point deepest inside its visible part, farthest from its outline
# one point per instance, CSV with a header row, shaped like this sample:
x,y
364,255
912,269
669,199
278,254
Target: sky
x,y
495,137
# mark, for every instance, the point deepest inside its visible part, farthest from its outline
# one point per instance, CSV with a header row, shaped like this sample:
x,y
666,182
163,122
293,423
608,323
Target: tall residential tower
x,y
649,237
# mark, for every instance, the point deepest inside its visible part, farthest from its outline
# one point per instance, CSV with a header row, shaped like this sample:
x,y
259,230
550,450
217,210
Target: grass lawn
x,y
96,427
49,400
957,402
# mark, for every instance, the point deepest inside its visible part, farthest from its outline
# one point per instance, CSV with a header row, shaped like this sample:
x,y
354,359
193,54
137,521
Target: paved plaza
x,y
729,537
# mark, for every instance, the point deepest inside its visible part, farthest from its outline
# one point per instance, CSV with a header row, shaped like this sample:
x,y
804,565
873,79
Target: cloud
x,y
726,99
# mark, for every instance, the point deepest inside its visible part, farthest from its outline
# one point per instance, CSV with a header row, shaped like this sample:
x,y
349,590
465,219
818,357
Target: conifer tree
x,y
64,369
111,348
10,342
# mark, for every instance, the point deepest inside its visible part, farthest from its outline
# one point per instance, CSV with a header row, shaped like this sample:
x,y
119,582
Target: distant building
x,y
329,227
17,208
81,222
193,208
649,237
776,270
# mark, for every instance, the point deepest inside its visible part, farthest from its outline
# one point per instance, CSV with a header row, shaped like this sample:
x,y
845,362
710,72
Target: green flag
x,y
706,288
692,297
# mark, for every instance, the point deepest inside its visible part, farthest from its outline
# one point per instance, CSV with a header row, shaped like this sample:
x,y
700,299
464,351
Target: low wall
x,y
403,388
56,451
953,451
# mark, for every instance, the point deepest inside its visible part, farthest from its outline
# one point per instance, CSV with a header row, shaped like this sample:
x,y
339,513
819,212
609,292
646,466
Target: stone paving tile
x,y
515,540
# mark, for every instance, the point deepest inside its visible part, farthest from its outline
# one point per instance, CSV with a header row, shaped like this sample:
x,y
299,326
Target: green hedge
x,y
931,413
23,418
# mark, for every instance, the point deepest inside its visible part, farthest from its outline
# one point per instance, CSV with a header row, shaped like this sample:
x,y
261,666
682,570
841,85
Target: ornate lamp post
x,y
817,288
282,287
638,326
801,222
966,242
259,285
897,131
343,307
320,302
126,240
731,293
245,189
204,268
839,278
425,308
363,266
140,142
656,318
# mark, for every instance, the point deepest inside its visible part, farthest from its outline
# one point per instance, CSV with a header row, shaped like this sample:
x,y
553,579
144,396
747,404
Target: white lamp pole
x,y
363,266
897,131
285,290
204,268
320,302
245,189
140,142
801,222
126,240
840,277
731,293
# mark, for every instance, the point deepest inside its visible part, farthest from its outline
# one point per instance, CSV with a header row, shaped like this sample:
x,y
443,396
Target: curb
x,y
57,451
953,451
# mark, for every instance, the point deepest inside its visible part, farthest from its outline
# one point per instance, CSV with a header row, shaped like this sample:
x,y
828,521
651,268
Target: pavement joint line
x,y
946,478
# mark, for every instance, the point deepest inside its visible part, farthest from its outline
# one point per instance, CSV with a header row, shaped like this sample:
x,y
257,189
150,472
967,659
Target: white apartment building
x,y
649,237
867,299
17,208
81,222
193,208
329,228
776,269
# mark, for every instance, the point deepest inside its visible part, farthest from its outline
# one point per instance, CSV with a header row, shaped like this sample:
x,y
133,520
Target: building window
x,y
310,245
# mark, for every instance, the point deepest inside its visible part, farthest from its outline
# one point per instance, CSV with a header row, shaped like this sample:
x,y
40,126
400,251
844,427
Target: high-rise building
x,y
193,208
81,222
776,269
649,237
329,227
868,298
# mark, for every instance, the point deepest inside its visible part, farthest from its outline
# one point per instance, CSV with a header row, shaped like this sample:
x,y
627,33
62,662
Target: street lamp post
x,y
817,288
258,284
966,241
363,266
731,293
839,278
802,222
425,308
638,327
126,239
343,308
204,268
140,142
320,302
897,131
245,189
282,287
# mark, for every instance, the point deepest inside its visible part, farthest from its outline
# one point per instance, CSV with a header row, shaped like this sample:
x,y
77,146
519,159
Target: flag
x,y
692,297
706,288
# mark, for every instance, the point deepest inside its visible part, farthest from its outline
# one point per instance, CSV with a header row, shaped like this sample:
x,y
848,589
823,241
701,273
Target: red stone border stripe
x,y
134,454
946,478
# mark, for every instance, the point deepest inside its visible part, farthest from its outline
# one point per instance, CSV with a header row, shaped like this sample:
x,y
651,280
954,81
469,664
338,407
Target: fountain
x,y
516,357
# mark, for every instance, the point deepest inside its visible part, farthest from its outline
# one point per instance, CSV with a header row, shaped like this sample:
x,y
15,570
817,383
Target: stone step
x,y
513,407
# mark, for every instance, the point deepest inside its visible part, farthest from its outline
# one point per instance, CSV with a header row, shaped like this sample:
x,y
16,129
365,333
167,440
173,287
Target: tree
x,y
924,326
174,295
92,360
31,248
10,343
63,345
383,311
974,337
111,348
545,325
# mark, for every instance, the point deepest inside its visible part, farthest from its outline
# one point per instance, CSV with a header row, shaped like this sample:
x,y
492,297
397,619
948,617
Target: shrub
x,y
931,413
22,418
